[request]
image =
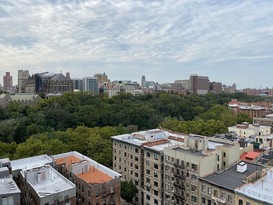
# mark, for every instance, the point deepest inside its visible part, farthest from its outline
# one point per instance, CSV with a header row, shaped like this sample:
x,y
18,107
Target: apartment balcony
x,y
181,197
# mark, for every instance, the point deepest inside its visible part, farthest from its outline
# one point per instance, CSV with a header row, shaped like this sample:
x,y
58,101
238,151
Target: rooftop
x,y
30,162
250,156
46,181
8,186
223,179
156,139
86,168
261,190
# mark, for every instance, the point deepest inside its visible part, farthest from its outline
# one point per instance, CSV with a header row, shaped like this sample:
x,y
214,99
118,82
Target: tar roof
x,y
231,178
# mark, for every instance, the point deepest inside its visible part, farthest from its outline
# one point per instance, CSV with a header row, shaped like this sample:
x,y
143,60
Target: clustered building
x,y
175,168
253,110
65,179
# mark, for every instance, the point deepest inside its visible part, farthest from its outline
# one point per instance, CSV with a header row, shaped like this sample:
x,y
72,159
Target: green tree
x,y
128,191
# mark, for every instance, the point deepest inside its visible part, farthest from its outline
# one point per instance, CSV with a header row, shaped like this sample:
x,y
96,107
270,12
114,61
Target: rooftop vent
x,y
241,167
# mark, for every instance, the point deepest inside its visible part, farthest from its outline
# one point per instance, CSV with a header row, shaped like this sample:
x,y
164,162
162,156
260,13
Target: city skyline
x,y
164,40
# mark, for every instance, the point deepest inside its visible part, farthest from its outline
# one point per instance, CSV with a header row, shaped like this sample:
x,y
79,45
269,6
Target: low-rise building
x,y
96,184
45,186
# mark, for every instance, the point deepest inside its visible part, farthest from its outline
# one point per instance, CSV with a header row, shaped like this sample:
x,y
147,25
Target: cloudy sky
x,y
165,40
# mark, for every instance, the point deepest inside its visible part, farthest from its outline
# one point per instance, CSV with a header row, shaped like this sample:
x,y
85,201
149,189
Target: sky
x,y
230,41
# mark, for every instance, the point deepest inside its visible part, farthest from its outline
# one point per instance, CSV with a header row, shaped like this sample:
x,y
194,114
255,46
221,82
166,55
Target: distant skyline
x,y
165,40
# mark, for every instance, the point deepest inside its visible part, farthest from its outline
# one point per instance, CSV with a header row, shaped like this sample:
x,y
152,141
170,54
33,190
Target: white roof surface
x,y
8,186
261,190
51,183
31,162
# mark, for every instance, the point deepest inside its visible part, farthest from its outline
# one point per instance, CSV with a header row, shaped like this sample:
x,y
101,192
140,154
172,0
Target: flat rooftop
x,y
151,138
94,171
231,178
46,181
30,162
261,190
92,175
8,186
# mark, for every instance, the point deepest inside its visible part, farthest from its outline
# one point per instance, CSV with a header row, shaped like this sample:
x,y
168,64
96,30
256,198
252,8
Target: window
x,y
155,175
147,162
156,184
156,166
66,199
148,154
148,197
203,200
194,167
136,150
155,193
148,171
148,180
89,193
147,188
224,154
229,198
203,188
241,202
209,190
193,198
155,156
155,202
136,174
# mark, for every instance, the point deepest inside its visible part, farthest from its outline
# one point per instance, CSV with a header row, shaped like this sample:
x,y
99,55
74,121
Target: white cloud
x,y
47,35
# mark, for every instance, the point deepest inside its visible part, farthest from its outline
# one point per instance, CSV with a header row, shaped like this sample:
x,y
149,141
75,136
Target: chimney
x,y
242,167
205,146
67,75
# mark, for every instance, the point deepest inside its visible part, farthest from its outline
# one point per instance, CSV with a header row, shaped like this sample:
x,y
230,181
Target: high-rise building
x,y
143,80
78,84
23,76
90,84
199,84
7,81
102,77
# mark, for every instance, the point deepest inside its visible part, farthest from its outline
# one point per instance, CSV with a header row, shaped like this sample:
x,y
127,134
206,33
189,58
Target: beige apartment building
x,y
139,157
198,157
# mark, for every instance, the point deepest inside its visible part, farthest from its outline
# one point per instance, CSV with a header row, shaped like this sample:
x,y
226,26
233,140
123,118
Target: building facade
x,y
90,84
23,76
7,81
199,84
96,184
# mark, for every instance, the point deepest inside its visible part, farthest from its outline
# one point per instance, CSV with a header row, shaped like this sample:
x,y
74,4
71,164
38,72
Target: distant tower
x,y
143,80
7,80
23,75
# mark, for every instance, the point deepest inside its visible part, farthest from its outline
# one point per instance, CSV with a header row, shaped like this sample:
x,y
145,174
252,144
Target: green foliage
x,y
84,122
128,191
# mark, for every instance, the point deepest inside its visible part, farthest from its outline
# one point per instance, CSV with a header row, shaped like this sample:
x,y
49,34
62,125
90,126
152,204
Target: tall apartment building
x,y
199,84
90,84
96,184
198,157
7,81
139,157
23,76
216,87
